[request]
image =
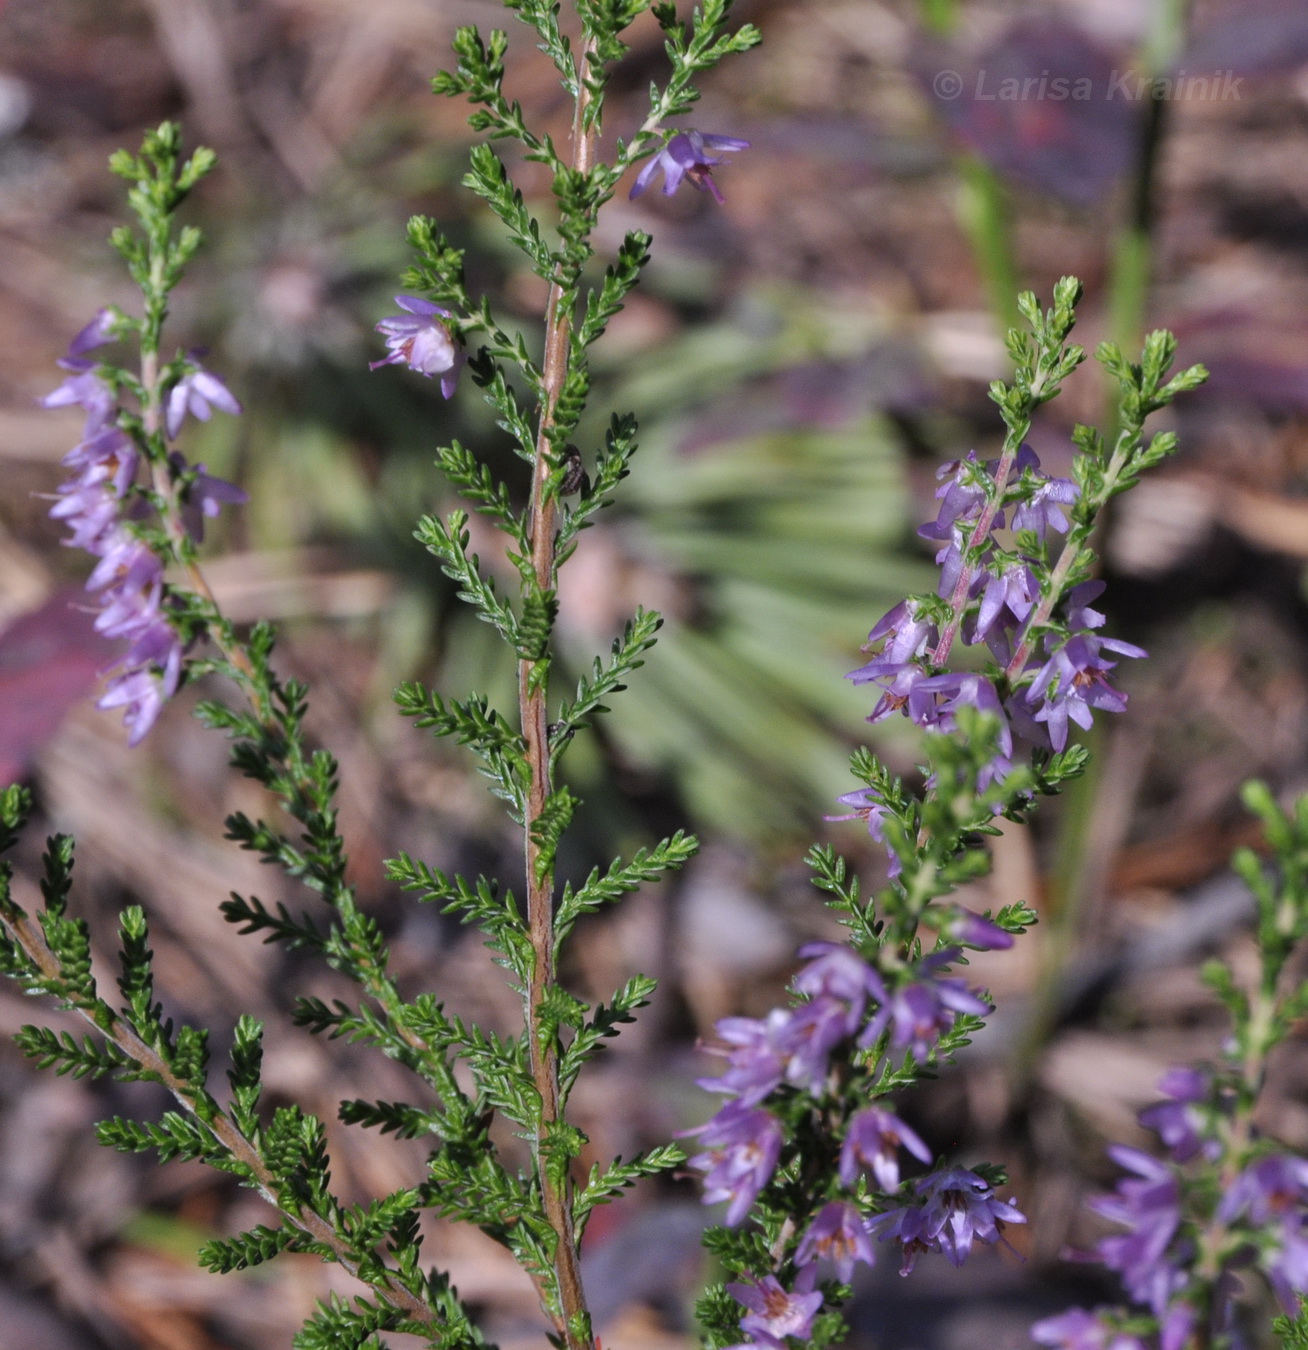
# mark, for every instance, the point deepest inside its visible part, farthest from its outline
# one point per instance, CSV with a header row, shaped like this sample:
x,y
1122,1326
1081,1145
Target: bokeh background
x,y
802,359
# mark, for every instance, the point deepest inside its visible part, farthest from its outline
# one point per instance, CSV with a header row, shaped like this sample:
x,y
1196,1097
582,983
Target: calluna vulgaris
x,y
807,1151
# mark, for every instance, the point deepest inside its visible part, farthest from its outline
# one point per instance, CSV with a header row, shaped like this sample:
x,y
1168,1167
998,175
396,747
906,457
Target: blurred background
x,y
801,359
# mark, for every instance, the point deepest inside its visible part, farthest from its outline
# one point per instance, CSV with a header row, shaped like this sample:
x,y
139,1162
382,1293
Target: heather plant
x,y
138,507
994,666
1225,1209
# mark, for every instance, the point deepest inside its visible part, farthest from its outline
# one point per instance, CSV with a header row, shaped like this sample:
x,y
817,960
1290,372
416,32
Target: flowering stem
x,y
572,1321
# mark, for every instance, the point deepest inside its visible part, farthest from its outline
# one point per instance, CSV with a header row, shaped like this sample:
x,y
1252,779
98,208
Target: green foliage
x,y
621,879
282,1152
251,1248
64,1053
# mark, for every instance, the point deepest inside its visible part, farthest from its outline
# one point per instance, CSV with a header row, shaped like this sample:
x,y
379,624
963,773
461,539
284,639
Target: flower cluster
x,y
1260,1218
1054,671
848,1007
100,503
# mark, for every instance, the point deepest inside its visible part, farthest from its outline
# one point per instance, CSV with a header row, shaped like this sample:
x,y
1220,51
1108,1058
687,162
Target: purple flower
x,y
418,339
918,1012
142,692
906,638
1074,680
91,509
774,1313
1077,1329
757,1063
1287,1268
108,455
85,389
961,1208
1149,1205
869,807
1006,600
1177,1122
967,690
96,334
126,563
743,1145
1271,1189
839,1234
835,971
690,155
127,612
974,931
905,692
1179,1320
1079,614
873,1140
949,558
964,496
904,1225
204,496
198,392
814,1030
1039,508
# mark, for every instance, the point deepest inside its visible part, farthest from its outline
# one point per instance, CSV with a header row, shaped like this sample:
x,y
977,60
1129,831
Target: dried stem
x,y
573,1324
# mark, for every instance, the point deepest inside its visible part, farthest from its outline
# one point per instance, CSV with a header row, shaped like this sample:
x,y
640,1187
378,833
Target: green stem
x,y
571,1319
939,16
984,215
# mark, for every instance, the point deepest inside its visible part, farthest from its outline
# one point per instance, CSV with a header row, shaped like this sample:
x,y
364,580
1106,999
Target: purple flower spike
x,y
198,392
873,1141
418,339
96,334
689,155
1077,1329
743,1145
961,1208
773,1313
839,1234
